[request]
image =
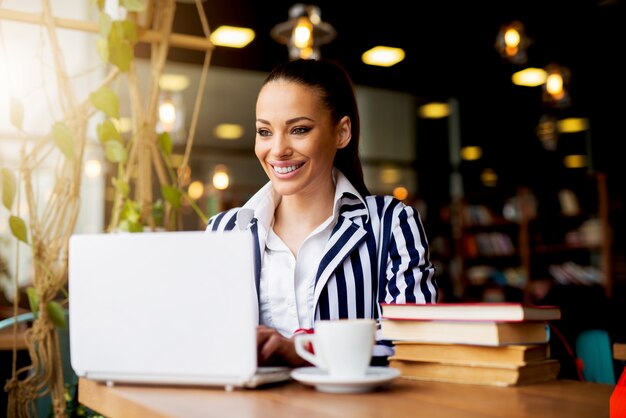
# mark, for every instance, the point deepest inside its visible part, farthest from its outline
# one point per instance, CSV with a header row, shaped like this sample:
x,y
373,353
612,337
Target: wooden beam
x,y
178,40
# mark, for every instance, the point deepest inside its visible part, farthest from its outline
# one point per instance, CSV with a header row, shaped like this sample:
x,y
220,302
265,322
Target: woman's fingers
x,y
275,349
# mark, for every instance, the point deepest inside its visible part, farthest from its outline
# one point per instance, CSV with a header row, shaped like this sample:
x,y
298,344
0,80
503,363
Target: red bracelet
x,y
305,331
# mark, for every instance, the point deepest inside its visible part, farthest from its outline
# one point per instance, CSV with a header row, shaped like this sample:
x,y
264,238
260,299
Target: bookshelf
x,y
505,245
488,249
570,243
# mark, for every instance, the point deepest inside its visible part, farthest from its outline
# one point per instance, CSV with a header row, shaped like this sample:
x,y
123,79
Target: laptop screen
x,y
163,307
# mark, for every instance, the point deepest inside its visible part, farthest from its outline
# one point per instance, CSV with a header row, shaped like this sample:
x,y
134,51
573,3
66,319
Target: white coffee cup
x,y
342,347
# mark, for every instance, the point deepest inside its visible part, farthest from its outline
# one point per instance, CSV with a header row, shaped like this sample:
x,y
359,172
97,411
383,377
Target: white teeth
x,y
285,170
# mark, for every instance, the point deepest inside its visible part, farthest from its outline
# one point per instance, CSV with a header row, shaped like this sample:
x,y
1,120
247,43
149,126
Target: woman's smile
x,y
285,169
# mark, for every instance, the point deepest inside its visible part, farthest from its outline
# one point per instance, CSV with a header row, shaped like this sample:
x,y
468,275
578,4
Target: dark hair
x,y
336,90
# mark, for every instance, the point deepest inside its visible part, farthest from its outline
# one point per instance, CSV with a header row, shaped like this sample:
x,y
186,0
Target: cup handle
x,y
301,342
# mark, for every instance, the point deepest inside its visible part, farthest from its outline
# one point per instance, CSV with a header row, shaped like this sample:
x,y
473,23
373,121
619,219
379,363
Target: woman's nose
x,y
281,145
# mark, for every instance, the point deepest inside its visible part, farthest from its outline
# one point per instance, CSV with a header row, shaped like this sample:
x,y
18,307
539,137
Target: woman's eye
x,y
263,132
300,130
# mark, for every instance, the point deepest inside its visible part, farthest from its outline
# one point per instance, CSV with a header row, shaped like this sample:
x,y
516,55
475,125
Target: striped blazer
x,y
377,252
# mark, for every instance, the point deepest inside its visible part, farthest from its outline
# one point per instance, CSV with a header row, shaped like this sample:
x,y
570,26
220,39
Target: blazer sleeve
x,y
222,221
409,273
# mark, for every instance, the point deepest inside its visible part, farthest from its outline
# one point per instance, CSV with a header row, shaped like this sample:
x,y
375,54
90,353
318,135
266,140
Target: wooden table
x,y
405,398
619,351
6,339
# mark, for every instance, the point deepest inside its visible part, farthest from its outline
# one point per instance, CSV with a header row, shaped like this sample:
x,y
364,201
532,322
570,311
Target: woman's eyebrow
x,y
289,121
298,119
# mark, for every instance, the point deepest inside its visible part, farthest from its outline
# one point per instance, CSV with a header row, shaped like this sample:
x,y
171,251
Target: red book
x,y
479,311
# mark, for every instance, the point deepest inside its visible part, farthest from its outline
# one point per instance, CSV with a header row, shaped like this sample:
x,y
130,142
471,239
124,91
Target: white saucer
x,y
375,377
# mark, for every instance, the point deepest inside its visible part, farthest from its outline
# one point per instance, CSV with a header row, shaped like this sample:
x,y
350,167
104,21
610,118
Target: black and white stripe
x,y
377,252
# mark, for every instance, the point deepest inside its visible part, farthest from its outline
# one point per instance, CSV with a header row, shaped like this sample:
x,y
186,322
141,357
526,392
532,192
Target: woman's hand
x,y
273,349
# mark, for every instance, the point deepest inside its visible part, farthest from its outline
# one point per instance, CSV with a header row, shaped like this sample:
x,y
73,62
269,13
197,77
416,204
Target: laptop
x,y
172,308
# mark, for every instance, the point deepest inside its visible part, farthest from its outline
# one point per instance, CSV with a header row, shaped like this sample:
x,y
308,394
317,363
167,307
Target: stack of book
x,y
499,344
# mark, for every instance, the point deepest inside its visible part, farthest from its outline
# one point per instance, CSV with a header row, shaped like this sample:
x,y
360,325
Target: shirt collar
x,y
260,206
263,204
343,187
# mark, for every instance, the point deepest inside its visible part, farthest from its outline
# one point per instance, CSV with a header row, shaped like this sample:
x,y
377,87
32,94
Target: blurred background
x,y
500,121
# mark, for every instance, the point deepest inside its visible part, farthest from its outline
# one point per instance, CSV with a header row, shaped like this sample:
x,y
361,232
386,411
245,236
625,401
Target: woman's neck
x,y
298,215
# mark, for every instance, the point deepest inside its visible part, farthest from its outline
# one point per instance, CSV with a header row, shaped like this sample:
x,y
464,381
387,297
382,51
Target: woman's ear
x,y
344,132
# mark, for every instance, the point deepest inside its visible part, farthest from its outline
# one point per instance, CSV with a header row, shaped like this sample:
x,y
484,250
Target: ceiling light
x,y
512,42
228,131
573,125
389,175
471,153
383,56
304,33
489,177
574,161
530,77
434,110
173,82
232,37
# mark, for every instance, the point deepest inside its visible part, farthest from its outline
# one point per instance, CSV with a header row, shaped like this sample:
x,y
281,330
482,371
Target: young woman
x,y
327,249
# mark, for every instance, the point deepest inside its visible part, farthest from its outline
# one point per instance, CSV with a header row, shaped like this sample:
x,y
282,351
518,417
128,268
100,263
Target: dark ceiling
x,y
450,53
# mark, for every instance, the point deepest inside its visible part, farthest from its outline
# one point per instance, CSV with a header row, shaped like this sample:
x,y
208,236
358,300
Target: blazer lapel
x,y
346,236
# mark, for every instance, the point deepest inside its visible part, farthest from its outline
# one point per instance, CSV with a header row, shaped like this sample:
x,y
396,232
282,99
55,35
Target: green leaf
x,y
105,99
18,228
17,113
116,34
164,140
135,227
107,131
120,54
130,31
130,211
133,5
128,226
64,139
158,212
123,30
172,195
102,45
104,24
115,151
33,300
57,314
8,188
121,186
98,3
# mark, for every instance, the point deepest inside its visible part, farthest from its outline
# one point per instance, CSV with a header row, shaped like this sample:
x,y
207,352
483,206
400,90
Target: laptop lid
x,y
163,307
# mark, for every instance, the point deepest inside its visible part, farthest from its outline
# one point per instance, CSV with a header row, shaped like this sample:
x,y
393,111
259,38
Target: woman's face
x,y
296,139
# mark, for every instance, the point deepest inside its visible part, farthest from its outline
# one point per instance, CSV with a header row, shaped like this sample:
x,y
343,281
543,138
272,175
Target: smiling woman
x,y
326,248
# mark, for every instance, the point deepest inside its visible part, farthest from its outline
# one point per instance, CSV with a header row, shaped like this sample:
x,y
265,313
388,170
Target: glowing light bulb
x,y
221,180
400,193
302,33
93,168
554,85
196,190
167,115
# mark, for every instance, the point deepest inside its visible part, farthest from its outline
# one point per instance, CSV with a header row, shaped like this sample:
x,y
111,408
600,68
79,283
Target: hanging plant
x,y
136,159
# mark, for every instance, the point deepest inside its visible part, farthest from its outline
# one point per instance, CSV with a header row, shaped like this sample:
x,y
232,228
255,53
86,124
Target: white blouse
x,y
287,281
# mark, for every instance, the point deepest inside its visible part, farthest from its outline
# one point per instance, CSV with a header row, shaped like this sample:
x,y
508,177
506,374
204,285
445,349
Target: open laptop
x,y
174,308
